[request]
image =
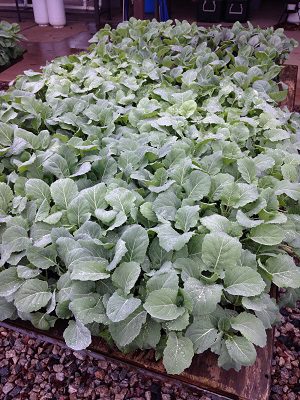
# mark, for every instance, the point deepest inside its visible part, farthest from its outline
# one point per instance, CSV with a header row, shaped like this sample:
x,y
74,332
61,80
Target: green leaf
x,y
119,308
124,332
166,205
197,185
120,251
43,321
167,280
90,270
243,282
161,304
126,275
7,309
247,169
63,191
267,234
149,336
36,189
237,195
204,297
187,217
250,327
136,241
180,323
32,296
283,271
9,281
6,197
169,239
77,336
88,309
43,258
220,251
78,211
203,334
241,350
121,199
178,353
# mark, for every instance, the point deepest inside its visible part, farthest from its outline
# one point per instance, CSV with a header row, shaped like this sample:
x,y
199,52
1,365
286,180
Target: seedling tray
x,y
204,375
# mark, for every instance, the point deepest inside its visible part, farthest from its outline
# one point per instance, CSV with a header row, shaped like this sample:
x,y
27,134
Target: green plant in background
x,y
9,43
150,191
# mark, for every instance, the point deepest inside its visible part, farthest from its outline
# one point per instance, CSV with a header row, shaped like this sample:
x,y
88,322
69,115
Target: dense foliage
x,y
9,39
150,191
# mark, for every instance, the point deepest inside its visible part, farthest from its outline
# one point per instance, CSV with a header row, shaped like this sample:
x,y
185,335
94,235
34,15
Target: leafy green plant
x,y
9,39
150,191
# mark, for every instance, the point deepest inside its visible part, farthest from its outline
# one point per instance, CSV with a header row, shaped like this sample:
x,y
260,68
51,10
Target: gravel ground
x,y
34,370
286,357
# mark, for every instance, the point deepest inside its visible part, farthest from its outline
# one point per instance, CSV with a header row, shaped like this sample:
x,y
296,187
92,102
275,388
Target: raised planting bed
x,y
149,199
204,374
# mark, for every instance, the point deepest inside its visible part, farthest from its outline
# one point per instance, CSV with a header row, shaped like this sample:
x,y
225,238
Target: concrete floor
x,y
45,43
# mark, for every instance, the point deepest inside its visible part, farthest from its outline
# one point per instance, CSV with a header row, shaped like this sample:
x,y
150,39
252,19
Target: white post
x,y
40,12
56,12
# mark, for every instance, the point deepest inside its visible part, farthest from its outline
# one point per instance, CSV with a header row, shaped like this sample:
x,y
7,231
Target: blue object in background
x,y
149,6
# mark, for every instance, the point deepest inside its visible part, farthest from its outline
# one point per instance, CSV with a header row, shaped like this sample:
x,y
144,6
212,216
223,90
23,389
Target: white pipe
x,y
40,12
56,12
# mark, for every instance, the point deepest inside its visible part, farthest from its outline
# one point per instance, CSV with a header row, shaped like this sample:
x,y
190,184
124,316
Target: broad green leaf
x,y
178,353
166,205
204,297
180,323
247,169
6,197
283,271
220,251
88,309
36,189
243,282
167,280
237,195
118,307
126,275
43,321
169,239
7,309
32,296
63,191
241,350
77,336
78,211
245,221
120,251
197,185
250,327
136,241
267,234
124,332
90,270
43,258
149,336
9,281
121,199
186,217
161,304
216,223
203,334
